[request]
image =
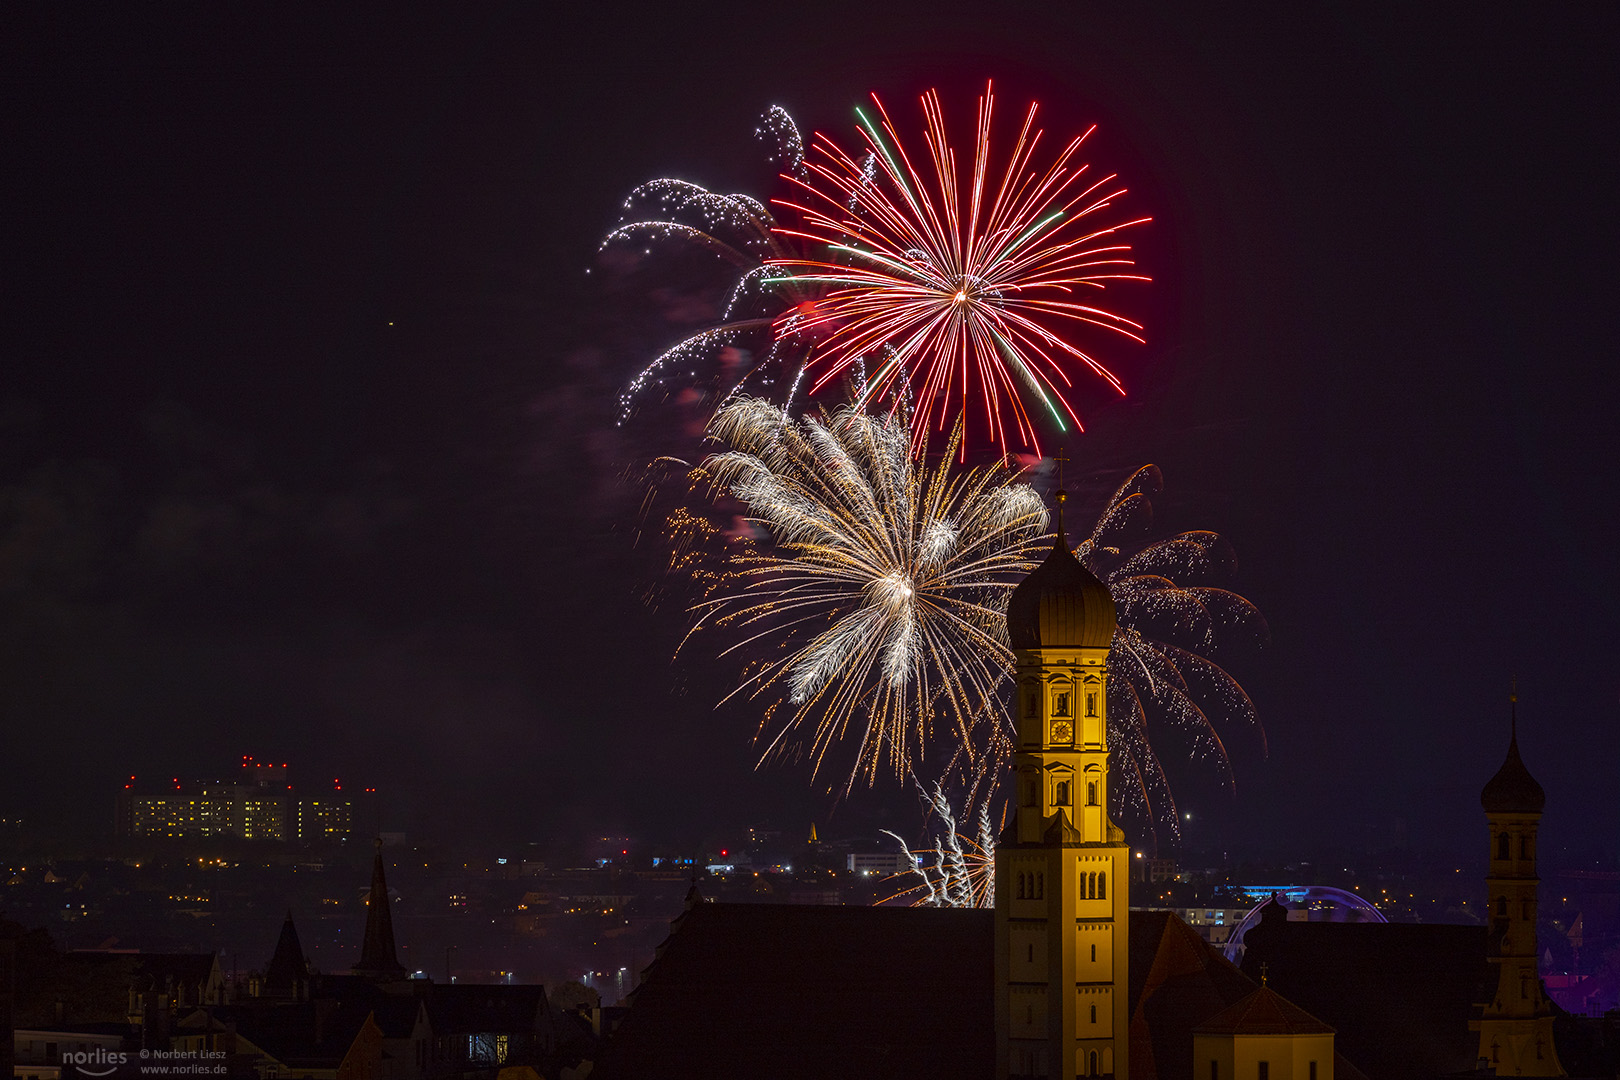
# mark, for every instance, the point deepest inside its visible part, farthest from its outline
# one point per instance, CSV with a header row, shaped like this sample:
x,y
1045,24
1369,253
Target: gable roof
x,y
1177,981
158,970
793,991
1264,1012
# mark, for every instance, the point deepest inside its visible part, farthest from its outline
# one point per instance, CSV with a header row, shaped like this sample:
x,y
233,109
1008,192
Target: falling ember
x,y
961,288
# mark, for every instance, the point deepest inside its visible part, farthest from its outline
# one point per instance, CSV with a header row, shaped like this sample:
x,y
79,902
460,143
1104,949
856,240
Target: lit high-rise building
x,y
325,819
261,806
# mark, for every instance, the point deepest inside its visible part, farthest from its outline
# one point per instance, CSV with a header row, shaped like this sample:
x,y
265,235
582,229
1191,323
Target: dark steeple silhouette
x,y
288,973
377,958
1513,790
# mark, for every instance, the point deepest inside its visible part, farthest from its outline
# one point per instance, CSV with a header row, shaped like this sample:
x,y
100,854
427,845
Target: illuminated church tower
x,y
1516,1029
1062,941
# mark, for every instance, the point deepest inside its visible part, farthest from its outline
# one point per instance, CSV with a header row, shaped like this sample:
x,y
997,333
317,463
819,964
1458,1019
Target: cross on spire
x,y
1061,457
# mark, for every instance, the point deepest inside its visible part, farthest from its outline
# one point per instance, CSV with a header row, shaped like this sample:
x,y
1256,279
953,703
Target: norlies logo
x,y
97,1062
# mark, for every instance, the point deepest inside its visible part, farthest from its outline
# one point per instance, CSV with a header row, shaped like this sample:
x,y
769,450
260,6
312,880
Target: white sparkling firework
x,y
882,588
761,311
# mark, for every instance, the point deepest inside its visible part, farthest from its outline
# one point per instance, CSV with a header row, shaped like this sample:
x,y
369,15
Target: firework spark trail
x,y
968,282
884,589
740,231
1163,688
963,873
778,131
1167,700
873,612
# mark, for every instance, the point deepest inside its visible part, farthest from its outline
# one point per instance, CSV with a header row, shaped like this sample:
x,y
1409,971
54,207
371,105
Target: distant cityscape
x,y
216,910
212,865
259,805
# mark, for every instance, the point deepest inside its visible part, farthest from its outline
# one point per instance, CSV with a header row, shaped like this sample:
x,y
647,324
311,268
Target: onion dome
x,y
1513,790
1061,605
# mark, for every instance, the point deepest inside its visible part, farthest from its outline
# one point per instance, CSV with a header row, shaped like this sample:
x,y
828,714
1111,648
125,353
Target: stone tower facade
x,y
1062,867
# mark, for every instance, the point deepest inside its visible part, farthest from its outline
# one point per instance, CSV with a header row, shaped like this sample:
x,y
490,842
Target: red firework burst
x,y
958,287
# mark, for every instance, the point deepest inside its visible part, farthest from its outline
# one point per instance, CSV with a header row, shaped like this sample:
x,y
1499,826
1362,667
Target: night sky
x,y
306,429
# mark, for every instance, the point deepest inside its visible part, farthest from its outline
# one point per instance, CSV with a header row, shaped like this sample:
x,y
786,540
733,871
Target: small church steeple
x,y
1516,1028
288,973
377,956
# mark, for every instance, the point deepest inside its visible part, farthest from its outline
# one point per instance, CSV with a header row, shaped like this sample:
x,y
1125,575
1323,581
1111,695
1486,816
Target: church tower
x,y
1062,904
378,960
1516,1028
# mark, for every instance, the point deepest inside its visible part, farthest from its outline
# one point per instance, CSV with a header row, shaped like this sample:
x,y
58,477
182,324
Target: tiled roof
x,y
1264,1012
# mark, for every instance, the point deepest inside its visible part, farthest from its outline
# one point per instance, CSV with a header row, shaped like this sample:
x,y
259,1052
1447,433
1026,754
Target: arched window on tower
x,y
1502,849
1021,885
1524,846
1091,887
1091,703
1040,885
1501,907
1091,793
1060,795
1102,885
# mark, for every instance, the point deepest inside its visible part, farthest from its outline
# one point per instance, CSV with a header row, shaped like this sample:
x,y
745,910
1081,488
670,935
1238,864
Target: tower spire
x,y
377,955
1061,496
288,972
1513,712
1516,1027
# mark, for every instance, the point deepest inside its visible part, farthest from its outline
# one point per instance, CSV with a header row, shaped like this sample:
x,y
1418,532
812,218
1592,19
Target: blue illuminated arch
x,y
1324,903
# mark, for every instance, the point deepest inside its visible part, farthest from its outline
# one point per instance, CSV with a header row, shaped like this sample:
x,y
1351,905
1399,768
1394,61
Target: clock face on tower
x,y
1062,732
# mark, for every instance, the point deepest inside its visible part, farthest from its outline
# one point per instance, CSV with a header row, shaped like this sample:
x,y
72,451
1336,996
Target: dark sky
x,y
306,439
